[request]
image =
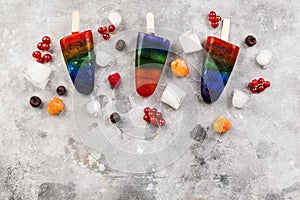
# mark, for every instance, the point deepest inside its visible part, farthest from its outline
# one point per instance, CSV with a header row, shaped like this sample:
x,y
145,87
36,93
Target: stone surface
x,y
103,58
42,157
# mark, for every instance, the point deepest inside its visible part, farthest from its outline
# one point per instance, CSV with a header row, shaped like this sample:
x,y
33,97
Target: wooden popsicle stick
x,y
75,22
150,23
225,30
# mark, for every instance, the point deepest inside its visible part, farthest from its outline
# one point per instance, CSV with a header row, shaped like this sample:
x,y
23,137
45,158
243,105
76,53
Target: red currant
x,y
261,80
146,118
47,57
254,90
212,14
213,19
46,40
218,18
37,54
151,114
40,60
102,30
46,47
158,115
215,24
162,122
261,88
40,46
106,36
146,110
254,82
267,84
153,121
111,28
154,110
250,85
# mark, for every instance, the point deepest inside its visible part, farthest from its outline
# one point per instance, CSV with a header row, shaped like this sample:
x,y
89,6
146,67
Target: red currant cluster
x,y
214,19
154,117
106,30
43,46
258,85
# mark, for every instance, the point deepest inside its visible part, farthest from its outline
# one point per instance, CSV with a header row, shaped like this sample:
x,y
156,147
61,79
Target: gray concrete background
x,y
41,157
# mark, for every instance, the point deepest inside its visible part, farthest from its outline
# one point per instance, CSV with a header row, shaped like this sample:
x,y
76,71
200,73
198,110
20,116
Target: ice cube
x,y
92,107
115,18
263,58
173,96
37,73
103,58
240,98
190,42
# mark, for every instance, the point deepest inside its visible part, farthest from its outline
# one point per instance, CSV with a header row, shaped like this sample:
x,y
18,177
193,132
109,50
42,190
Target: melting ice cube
x,y
37,73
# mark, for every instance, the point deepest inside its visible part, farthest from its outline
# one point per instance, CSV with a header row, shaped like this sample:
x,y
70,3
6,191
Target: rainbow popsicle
x,y
78,52
218,64
151,55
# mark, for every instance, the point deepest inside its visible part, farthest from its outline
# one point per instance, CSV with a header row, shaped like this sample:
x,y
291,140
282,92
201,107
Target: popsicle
x,y
151,55
218,64
78,52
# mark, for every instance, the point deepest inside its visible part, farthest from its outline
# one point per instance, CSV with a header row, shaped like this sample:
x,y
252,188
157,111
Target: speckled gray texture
x,y
41,156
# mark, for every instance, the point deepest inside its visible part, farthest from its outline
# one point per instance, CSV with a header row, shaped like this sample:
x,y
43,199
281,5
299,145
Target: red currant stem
x,y
52,37
117,31
256,86
159,129
43,53
157,133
